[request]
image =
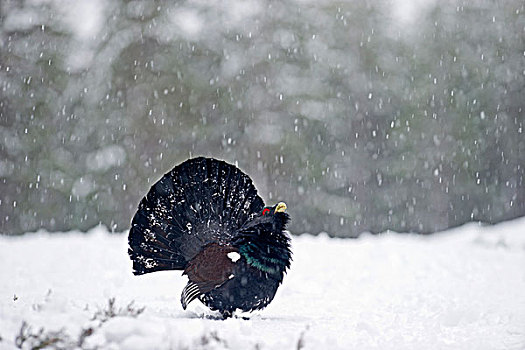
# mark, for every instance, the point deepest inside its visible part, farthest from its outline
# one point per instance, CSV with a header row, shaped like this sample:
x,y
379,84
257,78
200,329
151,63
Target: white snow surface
x,y
460,289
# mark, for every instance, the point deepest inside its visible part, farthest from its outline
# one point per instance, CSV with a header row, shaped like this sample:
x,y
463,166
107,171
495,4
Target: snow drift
x,y
460,289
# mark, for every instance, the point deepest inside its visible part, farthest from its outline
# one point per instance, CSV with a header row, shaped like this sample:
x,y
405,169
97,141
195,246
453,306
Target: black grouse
x,y
205,217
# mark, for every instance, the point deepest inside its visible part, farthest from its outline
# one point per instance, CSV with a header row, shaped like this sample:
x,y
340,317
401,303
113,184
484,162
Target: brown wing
x,y
207,270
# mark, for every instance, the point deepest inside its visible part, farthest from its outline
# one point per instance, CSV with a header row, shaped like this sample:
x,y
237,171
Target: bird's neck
x,y
267,252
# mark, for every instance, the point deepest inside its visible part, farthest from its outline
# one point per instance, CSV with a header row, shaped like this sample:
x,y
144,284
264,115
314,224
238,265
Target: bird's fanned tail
x,y
199,202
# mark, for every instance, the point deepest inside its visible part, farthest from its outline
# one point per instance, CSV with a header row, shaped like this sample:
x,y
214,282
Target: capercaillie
x,y
205,217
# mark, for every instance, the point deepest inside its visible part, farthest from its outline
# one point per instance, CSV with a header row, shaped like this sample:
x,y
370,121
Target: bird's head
x,y
276,215
278,208
263,242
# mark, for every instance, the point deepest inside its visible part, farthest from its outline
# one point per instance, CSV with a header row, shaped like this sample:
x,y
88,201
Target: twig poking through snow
x,y
300,341
42,339
111,311
27,339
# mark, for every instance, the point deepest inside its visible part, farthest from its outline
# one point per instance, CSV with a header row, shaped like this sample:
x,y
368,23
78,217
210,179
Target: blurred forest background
x,y
361,115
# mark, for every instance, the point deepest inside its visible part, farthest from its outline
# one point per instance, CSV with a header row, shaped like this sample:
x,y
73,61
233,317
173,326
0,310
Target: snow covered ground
x,y
461,289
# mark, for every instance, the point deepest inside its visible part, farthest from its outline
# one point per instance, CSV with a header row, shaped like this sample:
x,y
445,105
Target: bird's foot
x,y
226,314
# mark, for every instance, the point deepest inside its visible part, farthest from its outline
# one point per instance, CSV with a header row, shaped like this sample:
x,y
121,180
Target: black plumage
x,y
205,217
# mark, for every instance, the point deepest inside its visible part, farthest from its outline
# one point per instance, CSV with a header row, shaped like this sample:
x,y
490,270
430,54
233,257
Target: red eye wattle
x,y
265,211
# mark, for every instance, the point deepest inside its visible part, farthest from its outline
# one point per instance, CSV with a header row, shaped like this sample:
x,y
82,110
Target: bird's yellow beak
x,y
281,207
